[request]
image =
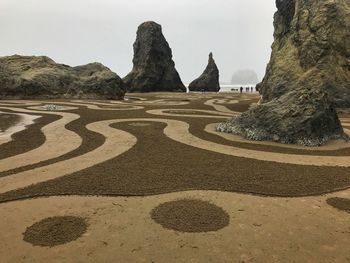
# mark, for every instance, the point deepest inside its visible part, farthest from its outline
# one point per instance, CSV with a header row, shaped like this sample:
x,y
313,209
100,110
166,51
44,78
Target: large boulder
x,y
209,80
154,69
303,116
30,77
312,43
308,75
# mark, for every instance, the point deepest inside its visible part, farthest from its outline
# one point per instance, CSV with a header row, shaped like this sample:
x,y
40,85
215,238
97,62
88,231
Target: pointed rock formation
x,y
154,69
209,80
309,73
29,77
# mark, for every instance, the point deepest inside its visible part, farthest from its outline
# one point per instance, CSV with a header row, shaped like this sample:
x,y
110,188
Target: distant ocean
x,y
228,88
233,88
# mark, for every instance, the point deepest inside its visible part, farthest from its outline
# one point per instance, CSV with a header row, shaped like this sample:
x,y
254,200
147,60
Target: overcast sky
x,y
74,32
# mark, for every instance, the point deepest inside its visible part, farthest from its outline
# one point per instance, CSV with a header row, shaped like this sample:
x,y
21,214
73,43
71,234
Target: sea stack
x,y
308,75
154,68
209,80
30,77
312,46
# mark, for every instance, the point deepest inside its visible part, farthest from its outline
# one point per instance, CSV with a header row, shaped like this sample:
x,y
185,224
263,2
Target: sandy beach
x,y
122,167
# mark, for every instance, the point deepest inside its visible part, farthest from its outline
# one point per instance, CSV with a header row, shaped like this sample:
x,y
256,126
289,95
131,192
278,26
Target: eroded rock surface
x,y
312,44
26,77
303,117
209,80
154,69
308,75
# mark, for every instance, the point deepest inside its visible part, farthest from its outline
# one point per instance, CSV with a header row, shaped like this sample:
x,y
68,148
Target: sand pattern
x,y
12,123
55,144
159,147
7,120
60,141
191,216
55,231
340,203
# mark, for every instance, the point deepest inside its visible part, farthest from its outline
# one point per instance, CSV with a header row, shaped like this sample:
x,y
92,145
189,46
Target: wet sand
x,y
7,120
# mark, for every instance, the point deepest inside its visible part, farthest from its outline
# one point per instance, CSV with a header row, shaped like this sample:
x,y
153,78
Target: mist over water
x,y
233,88
74,32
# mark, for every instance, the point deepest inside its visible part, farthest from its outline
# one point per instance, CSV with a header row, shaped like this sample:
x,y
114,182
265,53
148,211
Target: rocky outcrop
x,y
154,69
308,75
209,80
303,116
312,44
28,77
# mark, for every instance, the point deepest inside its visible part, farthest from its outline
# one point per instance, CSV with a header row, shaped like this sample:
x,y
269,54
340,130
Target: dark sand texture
x,y
190,216
55,231
144,180
33,138
340,203
28,139
7,120
158,164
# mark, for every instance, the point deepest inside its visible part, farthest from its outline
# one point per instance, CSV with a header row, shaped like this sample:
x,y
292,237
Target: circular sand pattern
x,y
340,203
55,231
189,215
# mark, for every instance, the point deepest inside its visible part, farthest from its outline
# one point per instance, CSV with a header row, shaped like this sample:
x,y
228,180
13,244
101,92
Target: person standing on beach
x,y
241,89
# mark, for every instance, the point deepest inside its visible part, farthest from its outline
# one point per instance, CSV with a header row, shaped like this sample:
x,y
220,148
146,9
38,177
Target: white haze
x,y
238,32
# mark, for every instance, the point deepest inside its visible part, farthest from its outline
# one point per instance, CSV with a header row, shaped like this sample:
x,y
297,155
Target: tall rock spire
x,y
209,80
154,68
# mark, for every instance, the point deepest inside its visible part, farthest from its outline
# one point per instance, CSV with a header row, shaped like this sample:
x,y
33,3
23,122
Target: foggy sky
x,y
74,32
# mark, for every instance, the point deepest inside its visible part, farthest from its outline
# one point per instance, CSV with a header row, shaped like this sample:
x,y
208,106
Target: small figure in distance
x,y
251,89
241,89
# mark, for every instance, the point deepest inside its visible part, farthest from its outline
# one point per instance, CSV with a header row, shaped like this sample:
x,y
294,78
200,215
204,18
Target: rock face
x,y
154,69
303,117
312,45
209,80
27,77
307,76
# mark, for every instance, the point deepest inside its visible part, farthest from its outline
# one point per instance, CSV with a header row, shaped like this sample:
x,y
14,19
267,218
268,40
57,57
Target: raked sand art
x,y
150,156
